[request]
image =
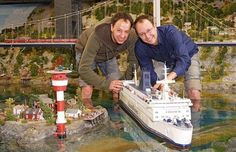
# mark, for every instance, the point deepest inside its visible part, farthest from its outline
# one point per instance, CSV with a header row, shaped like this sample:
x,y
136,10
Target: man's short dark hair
x,y
140,19
122,15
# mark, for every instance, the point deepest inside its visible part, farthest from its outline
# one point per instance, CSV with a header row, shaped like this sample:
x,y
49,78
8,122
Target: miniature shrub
x,y
218,71
205,52
50,121
34,69
24,121
221,55
45,60
9,115
148,8
9,109
57,60
2,38
16,68
2,122
219,146
31,99
68,121
99,13
136,8
111,9
19,59
47,113
12,55
215,73
36,59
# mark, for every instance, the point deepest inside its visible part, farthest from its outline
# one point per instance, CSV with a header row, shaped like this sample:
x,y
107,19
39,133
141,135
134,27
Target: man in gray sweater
x,y
99,46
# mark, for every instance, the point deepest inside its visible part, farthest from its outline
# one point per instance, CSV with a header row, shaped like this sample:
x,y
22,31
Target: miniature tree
x,y
47,113
9,109
79,99
32,99
2,122
34,69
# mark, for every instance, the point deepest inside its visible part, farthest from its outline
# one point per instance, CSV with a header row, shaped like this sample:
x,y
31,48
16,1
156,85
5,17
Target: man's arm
x,y
85,68
180,51
145,62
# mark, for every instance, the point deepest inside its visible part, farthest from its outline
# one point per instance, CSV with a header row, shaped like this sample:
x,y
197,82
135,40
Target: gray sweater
x,y
97,45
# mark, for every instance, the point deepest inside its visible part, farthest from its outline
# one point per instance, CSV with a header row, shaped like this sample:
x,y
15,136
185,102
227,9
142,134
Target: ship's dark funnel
x,y
145,81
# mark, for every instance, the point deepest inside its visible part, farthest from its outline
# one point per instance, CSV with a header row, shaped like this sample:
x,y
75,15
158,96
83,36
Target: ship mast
x,y
135,76
165,82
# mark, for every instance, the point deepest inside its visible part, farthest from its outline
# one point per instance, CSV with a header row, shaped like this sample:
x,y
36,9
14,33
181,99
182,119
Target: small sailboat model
x,y
161,113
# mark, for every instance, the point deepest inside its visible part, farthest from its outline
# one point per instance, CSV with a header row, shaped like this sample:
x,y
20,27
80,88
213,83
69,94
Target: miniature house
x,y
19,109
34,114
73,113
46,100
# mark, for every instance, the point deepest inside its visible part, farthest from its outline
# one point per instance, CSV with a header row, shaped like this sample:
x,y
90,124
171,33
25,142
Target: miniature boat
x,y
94,117
161,113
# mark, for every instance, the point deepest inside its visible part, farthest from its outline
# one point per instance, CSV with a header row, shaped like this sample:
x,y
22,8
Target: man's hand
x,y
158,87
116,86
171,76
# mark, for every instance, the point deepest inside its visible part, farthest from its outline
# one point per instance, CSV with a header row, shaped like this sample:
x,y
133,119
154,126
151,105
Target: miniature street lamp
x,y
59,83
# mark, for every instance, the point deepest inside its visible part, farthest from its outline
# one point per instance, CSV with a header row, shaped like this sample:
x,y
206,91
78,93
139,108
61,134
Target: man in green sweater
x,y
99,46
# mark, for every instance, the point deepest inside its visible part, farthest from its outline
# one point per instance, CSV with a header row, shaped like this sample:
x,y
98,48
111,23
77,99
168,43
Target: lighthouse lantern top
x,y
59,70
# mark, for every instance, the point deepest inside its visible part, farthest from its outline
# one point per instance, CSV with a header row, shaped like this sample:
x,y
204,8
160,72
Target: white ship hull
x,y
150,115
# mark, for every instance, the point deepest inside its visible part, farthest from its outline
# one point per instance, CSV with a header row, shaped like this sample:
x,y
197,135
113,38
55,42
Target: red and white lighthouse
x,y
59,83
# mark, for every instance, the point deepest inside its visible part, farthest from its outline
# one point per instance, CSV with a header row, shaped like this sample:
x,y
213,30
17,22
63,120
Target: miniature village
x,y
46,116
44,110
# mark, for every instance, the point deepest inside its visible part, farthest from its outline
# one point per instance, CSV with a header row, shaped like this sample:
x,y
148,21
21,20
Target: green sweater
x,y
99,47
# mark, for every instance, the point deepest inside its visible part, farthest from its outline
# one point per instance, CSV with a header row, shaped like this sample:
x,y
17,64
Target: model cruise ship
x,y
161,113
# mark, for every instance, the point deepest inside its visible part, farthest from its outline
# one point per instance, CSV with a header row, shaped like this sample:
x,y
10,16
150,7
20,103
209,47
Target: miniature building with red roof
x,y
34,114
